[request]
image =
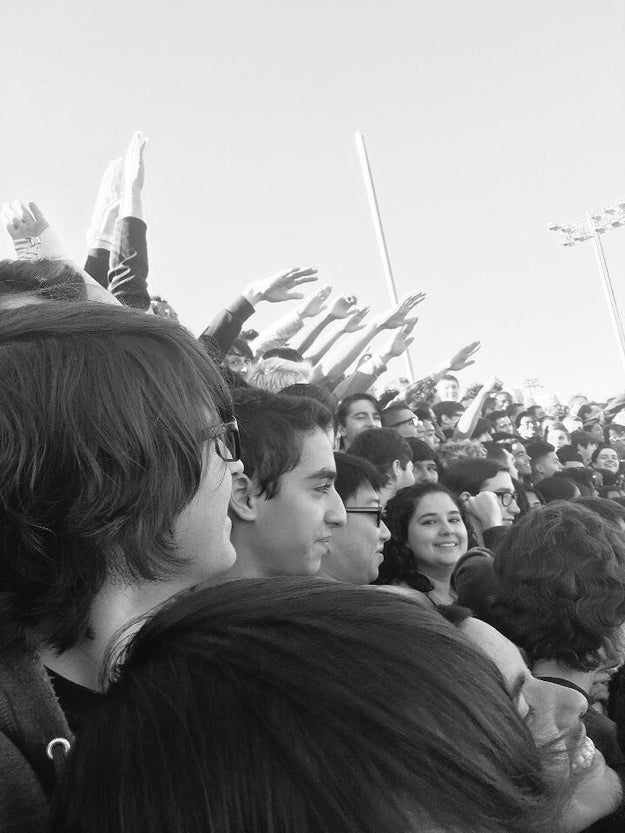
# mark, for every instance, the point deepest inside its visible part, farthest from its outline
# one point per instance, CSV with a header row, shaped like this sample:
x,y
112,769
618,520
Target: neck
x,y
249,564
114,610
553,668
440,578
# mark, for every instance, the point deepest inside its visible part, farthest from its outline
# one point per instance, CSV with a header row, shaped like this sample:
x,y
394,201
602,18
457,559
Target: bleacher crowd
x,y
247,583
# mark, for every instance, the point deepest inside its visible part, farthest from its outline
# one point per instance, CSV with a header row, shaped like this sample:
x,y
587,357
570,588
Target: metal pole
x,y
607,286
379,231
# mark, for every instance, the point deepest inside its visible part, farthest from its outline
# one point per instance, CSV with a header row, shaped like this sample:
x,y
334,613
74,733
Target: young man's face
x,y
292,531
448,390
450,421
237,363
404,422
504,425
528,427
355,551
425,471
429,435
361,415
548,465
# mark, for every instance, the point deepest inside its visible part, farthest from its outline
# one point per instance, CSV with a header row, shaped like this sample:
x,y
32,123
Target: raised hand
x,y
464,357
280,287
21,221
401,340
483,510
342,307
102,225
316,302
397,315
134,162
355,322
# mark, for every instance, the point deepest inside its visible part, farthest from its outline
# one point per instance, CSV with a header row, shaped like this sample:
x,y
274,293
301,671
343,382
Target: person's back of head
x,y
452,451
560,573
609,510
569,454
287,706
388,452
44,280
287,353
104,421
274,374
557,487
469,475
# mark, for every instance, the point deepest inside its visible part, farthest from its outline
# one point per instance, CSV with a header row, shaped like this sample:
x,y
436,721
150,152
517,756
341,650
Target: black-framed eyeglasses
x,y
367,510
409,421
506,498
227,441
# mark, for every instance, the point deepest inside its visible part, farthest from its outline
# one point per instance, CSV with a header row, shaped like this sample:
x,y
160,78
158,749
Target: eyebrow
x,y
517,686
436,514
322,474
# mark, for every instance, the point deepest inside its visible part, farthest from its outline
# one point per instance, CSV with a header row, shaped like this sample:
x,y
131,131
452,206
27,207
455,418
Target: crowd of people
x,y
249,584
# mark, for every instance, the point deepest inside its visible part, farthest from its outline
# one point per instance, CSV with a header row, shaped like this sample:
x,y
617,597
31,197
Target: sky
x,y
484,122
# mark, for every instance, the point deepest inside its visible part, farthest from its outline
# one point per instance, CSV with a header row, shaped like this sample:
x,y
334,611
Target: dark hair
x,y
345,404
353,472
531,409
588,409
557,488
420,450
289,705
567,453
495,415
322,395
609,510
103,421
482,426
400,565
521,414
584,438
599,449
240,347
497,452
52,280
537,449
393,409
272,427
382,446
469,475
446,408
560,573
287,353
582,477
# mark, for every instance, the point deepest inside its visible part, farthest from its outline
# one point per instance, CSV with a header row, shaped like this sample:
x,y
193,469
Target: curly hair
x,y
560,585
453,451
400,564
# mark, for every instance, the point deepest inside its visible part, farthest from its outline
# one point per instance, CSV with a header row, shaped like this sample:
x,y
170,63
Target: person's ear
x,y
243,498
395,469
463,497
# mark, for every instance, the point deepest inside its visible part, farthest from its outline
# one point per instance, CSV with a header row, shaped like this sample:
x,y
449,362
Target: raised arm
x,y
32,236
101,231
285,328
227,324
353,324
468,420
332,367
341,308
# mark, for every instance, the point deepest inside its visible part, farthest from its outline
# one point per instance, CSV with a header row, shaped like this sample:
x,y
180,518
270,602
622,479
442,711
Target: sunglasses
x,y
226,440
367,510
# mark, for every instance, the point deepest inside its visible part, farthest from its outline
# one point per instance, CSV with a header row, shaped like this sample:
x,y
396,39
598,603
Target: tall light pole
x,y
591,227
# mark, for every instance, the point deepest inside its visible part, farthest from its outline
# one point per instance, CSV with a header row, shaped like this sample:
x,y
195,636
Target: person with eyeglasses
x,y
118,451
355,551
402,419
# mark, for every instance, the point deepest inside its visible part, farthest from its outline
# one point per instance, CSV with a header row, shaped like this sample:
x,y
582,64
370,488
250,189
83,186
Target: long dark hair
x,y
400,565
298,706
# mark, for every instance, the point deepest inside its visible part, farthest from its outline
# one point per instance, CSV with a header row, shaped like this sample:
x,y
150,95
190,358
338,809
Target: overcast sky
x,y
484,121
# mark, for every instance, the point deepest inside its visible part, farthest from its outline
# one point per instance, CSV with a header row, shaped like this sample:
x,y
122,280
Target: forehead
x,y
501,480
436,503
365,495
518,448
316,454
361,406
504,653
401,413
426,464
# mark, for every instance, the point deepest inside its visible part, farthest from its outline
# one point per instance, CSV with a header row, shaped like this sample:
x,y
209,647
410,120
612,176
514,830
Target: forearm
x,y
280,332
97,265
226,326
129,264
326,345
339,360
306,339
468,420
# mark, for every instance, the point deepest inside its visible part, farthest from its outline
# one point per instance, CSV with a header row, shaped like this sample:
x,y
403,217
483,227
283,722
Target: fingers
x,y
36,211
410,325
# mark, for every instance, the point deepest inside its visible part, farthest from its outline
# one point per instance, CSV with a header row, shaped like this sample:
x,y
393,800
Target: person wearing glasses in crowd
x,y
118,451
403,420
355,551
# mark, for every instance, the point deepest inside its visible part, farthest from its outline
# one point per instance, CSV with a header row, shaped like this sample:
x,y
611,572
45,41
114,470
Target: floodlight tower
x,y
591,227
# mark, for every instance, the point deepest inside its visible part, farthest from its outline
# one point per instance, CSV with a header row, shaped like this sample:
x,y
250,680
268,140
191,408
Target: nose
x,y
235,467
335,512
385,533
513,509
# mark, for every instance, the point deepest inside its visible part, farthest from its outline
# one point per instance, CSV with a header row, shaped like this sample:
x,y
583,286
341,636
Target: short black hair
x,y
344,405
420,451
446,408
583,438
538,448
382,446
557,488
240,347
482,426
567,453
352,472
272,427
468,475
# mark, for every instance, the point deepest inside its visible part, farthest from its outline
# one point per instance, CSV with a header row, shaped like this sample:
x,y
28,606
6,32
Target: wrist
x,y
252,295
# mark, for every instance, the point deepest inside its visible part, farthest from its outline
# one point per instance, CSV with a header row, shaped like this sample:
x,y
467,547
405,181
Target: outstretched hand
x,y
355,321
464,357
343,306
21,221
397,315
102,223
402,339
315,303
134,162
281,286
